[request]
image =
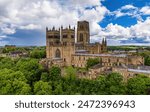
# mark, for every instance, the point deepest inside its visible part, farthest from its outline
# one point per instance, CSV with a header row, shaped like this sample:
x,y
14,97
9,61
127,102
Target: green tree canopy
x,y
55,73
70,73
38,54
12,82
42,88
31,69
91,62
138,85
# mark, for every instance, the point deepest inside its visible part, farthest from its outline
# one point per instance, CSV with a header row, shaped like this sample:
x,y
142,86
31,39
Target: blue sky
x,y
122,22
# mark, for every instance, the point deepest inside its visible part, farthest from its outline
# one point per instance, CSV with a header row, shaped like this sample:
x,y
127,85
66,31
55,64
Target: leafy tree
x,y
91,62
38,54
7,50
6,63
138,85
55,73
70,73
147,60
58,88
115,84
45,77
42,88
31,69
12,82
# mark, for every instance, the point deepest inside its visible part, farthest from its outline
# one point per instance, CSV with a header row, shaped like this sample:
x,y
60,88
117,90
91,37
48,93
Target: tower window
x,y
81,37
56,36
81,27
50,36
57,54
72,36
65,36
64,43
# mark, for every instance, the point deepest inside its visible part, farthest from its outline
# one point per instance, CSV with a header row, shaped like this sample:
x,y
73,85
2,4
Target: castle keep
x,y
72,47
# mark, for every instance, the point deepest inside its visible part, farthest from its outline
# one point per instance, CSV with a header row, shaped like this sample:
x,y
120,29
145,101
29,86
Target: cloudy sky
x,y
122,22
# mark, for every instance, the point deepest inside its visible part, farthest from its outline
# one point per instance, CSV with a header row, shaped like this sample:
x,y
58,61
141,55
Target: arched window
x,y
81,37
57,54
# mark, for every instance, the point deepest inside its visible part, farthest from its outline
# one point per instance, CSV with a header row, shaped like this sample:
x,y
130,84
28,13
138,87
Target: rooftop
x,y
139,71
102,55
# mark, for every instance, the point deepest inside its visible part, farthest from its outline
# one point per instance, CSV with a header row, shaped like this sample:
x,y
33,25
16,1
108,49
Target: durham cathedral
x,y
72,47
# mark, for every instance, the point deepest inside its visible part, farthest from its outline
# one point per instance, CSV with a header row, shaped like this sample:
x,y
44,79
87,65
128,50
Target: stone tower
x,y
52,39
68,44
67,36
83,32
60,45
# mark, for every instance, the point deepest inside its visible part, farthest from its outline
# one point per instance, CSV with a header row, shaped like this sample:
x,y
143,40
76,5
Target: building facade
x,y
65,47
61,46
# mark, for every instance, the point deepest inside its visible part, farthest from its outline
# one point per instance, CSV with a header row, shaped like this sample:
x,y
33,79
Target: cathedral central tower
x,y
83,32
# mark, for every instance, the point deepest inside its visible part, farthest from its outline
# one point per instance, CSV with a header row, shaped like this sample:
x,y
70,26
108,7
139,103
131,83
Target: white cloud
x,y
30,27
37,14
140,30
128,7
145,10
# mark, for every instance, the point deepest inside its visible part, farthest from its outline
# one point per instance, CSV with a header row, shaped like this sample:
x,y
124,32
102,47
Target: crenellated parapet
x,y
68,36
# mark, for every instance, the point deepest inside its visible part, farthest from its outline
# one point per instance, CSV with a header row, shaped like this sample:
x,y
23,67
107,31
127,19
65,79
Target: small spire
x,y
53,28
103,41
61,27
69,27
46,28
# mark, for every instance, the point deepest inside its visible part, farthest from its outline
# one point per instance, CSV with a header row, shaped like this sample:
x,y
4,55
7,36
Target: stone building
x,y
65,48
61,46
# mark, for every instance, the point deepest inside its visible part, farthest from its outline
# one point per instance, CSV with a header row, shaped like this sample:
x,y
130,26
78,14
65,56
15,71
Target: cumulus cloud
x,y
37,14
145,10
138,33
127,10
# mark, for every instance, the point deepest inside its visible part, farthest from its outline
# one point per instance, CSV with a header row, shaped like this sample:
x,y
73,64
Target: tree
x,y
138,85
45,77
38,54
115,84
55,73
147,60
91,62
58,88
31,69
12,82
70,73
6,63
42,88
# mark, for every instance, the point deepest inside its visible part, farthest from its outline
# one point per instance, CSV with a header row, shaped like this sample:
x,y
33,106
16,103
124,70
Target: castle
x,y
71,47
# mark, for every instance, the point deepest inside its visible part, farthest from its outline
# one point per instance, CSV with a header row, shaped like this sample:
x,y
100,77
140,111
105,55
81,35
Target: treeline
x,y
27,76
33,52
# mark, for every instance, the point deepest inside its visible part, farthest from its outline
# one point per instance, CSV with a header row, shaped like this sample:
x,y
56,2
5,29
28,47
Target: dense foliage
x,y
38,54
27,76
91,62
146,56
